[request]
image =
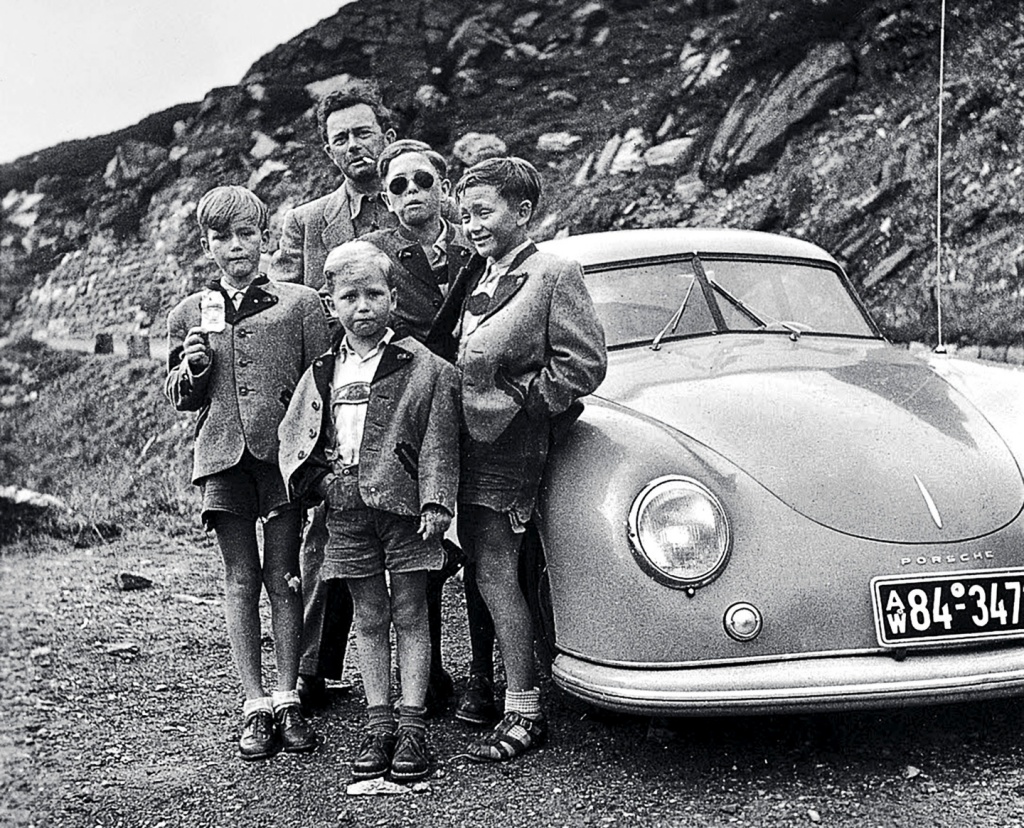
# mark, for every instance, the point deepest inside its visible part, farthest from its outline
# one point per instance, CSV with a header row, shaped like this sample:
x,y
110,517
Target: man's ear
x,y
524,213
327,151
446,186
206,245
390,136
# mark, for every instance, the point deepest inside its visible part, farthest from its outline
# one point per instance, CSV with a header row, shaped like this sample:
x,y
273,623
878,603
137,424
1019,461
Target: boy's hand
x,y
196,350
434,521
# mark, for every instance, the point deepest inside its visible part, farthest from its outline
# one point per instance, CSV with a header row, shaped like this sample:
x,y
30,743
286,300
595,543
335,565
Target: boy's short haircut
x,y
515,179
222,205
355,252
406,145
351,93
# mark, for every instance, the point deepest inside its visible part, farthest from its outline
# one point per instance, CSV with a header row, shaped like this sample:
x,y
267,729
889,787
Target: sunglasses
x,y
400,183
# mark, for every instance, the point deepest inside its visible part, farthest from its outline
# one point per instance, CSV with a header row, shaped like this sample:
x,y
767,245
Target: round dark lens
x,y
423,179
398,185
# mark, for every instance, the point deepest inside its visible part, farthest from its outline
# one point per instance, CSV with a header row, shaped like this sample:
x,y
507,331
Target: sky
x,y
78,68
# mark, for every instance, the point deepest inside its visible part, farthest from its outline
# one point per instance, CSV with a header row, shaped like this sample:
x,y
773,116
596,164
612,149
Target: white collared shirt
x,y
350,395
236,294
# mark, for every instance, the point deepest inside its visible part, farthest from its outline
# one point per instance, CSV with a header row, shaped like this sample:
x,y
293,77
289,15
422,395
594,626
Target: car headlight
x,y
680,533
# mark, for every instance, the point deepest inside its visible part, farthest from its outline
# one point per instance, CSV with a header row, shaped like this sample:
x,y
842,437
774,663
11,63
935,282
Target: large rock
x,y
760,121
133,161
478,146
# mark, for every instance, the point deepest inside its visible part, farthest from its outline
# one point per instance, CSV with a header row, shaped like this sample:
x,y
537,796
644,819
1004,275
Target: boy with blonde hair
x,y
236,351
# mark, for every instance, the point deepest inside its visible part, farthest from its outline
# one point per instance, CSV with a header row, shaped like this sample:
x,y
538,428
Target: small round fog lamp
x,y
743,621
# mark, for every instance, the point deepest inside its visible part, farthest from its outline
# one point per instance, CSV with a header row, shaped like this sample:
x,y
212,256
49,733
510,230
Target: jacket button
x,y
243,363
316,405
301,455
312,433
243,391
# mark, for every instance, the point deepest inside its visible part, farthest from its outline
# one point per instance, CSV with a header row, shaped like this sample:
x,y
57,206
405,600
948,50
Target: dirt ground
x,y
121,709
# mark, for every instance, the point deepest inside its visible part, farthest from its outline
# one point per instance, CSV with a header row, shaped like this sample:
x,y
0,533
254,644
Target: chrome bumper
x,y
805,685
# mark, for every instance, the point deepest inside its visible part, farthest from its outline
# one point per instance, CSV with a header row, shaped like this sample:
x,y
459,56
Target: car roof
x,y
624,245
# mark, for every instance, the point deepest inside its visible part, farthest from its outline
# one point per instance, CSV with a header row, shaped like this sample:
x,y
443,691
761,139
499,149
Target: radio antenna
x,y
940,347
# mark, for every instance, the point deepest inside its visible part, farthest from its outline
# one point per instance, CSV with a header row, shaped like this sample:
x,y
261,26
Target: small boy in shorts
x,y
236,351
373,430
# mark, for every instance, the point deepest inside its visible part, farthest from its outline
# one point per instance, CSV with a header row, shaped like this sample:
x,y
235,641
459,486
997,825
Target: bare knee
x,y
282,585
408,610
371,619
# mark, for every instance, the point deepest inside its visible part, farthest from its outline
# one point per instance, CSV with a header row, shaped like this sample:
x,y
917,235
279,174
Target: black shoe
x,y
440,691
259,739
296,734
411,761
477,705
312,692
374,756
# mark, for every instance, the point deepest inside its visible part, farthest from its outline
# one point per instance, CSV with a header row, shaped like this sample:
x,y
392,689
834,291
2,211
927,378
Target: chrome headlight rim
x,y
646,564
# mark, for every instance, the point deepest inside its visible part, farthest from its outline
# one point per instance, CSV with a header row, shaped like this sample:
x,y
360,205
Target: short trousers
x,y
363,541
250,489
505,475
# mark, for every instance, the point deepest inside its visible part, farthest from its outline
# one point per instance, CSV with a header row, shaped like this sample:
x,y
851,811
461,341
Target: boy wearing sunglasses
x,y
428,251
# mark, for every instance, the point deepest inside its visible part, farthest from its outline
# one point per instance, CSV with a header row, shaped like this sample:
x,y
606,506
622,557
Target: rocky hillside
x,y
815,118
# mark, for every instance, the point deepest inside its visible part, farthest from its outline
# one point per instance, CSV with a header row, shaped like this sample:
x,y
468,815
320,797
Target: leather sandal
x,y
512,736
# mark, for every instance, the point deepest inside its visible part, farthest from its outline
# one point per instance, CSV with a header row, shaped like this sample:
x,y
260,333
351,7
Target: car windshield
x,y
649,302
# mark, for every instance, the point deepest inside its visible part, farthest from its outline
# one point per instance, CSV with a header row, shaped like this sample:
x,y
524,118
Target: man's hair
x,y
351,93
222,205
357,252
515,179
407,145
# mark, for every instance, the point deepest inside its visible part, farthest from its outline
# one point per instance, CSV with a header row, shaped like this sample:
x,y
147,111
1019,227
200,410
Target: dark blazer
x,y
419,288
310,231
409,455
256,362
539,346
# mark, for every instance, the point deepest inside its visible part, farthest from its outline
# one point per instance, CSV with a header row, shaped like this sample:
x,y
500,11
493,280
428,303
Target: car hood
x,y
856,435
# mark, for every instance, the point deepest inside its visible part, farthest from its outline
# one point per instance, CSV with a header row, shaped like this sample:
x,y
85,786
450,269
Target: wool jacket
x,y
255,364
419,287
311,230
409,454
539,345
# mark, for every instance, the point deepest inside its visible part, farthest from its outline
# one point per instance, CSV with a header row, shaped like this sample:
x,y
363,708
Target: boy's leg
x,y
412,634
411,761
371,622
496,550
281,578
497,557
243,582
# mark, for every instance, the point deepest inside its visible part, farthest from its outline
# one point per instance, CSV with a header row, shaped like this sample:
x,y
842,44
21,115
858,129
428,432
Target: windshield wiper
x,y
673,323
737,303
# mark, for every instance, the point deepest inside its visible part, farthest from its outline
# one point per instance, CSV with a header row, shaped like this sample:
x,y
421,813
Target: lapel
x,y
393,358
256,299
413,259
510,282
323,375
337,217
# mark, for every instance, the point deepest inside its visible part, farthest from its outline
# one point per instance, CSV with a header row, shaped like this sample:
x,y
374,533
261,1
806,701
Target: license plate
x,y
963,606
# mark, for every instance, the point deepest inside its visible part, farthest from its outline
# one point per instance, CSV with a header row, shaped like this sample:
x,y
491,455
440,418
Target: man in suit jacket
x,y
355,127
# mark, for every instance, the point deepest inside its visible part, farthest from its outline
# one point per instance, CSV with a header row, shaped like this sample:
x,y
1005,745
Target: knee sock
x,y
380,718
524,702
414,717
